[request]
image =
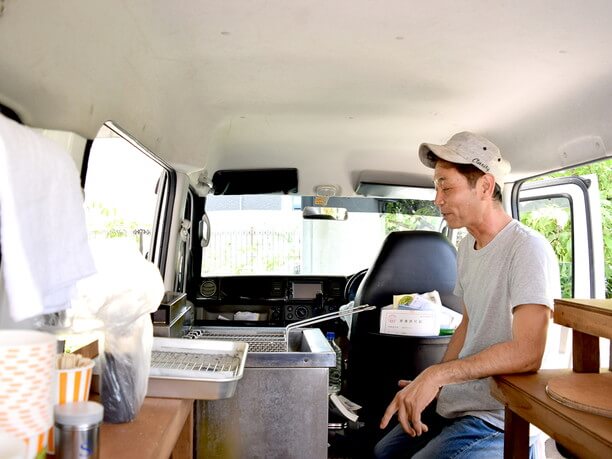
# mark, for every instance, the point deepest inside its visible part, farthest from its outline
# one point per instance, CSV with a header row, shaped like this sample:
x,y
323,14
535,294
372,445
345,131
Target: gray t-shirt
x,y
517,267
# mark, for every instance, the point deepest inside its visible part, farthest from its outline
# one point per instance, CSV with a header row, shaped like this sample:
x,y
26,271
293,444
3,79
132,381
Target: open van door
x,y
567,211
129,194
573,204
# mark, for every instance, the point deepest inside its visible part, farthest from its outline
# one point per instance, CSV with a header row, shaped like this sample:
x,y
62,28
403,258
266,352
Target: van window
x,y
552,218
557,214
260,234
120,191
573,209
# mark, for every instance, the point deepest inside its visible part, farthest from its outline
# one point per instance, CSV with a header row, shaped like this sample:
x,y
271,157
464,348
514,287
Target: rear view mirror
x,y
325,213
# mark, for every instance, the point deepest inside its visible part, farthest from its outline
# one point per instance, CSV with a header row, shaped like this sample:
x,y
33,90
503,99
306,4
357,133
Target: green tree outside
x,y
558,229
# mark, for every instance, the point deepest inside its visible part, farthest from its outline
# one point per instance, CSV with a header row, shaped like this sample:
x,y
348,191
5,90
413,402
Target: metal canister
x,y
77,430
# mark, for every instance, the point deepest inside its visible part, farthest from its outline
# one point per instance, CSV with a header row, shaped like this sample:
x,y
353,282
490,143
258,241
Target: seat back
x,y
408,262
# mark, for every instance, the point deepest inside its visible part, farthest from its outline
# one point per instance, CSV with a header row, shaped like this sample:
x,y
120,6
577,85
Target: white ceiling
x,y
332,87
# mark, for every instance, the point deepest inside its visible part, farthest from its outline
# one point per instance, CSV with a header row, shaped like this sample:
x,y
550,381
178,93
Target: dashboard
x,y
265,300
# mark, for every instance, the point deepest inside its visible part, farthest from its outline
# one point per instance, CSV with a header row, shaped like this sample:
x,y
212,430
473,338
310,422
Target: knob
x,y
301,312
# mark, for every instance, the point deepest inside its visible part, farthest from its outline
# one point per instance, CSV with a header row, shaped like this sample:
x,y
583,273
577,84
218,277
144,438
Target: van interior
x,y
262,155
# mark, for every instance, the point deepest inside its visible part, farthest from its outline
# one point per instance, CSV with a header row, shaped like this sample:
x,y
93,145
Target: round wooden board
x,y
588,392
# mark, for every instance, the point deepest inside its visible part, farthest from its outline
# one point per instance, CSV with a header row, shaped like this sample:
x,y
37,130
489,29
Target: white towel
x,y
43,234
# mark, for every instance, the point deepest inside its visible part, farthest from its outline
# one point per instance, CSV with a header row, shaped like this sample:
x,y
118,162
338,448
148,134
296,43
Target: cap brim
x,y
442,152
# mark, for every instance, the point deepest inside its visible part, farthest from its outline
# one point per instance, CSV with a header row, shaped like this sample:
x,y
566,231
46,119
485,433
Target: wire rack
x,y
223,364
260,342
272,342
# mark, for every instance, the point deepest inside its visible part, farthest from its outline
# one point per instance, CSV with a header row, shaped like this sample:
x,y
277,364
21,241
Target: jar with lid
x,y
77,430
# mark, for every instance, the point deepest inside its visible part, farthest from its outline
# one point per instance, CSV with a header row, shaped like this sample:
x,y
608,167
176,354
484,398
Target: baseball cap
x,y
468,148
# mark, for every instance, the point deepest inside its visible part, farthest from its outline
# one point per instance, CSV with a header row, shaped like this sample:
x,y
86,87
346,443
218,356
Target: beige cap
x,y
469,148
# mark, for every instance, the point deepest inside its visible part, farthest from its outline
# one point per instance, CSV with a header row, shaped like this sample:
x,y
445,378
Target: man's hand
x,y
410,402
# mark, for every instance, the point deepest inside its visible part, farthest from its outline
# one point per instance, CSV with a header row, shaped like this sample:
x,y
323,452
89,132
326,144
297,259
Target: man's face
x,y
458,202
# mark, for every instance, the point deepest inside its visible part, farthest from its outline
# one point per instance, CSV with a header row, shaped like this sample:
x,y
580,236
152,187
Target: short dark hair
x,y
470,172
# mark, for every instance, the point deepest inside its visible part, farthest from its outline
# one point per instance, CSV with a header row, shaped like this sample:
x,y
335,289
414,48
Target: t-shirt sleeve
x,y
534,274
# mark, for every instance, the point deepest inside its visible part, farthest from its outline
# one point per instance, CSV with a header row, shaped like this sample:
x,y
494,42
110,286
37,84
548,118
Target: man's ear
x,y
487,185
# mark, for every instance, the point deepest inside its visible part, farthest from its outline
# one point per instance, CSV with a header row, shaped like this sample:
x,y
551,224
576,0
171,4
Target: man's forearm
x,y
456,342
503,358
521,354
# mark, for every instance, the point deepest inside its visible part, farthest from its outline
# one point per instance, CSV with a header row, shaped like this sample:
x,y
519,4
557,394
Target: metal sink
x,y
284,389
271,347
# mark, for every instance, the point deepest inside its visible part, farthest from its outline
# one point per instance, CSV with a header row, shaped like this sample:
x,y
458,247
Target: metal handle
x,y
328,316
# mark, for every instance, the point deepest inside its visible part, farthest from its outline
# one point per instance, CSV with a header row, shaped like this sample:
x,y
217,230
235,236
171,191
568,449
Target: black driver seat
x,y
408,262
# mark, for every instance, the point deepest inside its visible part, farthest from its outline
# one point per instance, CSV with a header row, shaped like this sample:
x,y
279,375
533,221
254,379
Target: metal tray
x,y
172,305
197,369
179,326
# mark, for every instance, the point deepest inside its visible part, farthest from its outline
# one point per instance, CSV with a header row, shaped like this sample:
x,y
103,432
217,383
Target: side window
x,y
121,191
552,217
573,209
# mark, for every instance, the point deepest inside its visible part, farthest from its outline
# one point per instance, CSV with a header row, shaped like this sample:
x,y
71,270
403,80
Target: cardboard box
x,y
408,323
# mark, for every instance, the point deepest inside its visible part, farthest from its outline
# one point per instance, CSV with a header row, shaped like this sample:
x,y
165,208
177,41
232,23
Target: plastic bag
x,y
126,290
125,369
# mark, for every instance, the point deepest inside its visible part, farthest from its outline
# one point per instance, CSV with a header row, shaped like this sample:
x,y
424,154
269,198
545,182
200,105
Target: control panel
x,y
267,300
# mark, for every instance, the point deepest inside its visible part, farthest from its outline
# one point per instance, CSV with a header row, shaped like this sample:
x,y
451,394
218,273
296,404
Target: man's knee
x,y
380,452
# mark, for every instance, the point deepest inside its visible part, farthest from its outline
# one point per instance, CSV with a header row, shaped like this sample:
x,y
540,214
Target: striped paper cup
x,y
72,385
11,447
35,445
26,378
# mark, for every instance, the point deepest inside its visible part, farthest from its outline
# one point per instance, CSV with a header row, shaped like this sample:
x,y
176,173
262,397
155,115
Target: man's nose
x,y
438,200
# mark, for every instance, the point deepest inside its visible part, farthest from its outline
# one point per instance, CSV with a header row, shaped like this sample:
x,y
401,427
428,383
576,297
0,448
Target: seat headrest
x,y
410,262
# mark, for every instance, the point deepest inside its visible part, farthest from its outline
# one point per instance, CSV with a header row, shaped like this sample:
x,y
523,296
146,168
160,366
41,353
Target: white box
x,y
407,322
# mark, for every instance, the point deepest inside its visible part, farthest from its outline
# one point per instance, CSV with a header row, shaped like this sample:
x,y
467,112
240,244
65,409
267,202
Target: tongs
x,y
323,318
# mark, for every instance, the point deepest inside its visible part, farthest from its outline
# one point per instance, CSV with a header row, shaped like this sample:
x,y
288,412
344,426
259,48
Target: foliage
x,y
552,222
560,237
106,223
410,214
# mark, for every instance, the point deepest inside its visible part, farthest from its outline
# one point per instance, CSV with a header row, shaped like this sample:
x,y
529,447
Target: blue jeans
x,y
467,437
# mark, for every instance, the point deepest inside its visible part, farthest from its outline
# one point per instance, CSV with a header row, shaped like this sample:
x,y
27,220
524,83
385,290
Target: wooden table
x,y
526,401
589,319
162,429
586,435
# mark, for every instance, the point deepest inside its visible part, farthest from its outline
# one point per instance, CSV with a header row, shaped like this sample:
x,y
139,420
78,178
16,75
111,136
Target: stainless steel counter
x,y
268,347
280,407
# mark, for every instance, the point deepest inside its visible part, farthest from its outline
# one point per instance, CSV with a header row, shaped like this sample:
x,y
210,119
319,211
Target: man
x,y
507,277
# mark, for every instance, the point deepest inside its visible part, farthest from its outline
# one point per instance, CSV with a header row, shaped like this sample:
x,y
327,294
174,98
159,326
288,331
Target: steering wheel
x,y
352,284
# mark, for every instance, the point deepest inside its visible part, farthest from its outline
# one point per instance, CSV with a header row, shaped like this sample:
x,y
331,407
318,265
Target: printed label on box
x,y
405,322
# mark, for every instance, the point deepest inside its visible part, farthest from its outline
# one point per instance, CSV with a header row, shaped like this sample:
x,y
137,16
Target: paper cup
x,y
26,381
36,444
72,385
12,447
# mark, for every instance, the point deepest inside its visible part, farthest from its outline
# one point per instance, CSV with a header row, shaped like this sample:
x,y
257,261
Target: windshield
x,y
258,235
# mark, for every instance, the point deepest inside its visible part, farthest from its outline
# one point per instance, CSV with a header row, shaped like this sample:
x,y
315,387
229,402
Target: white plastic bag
x,y
126,290
125,369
